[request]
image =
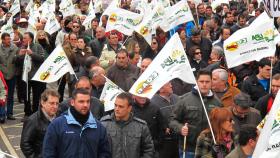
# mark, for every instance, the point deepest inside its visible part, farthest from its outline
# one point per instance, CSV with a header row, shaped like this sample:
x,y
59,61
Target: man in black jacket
x,y
96,107
264,104
34,128
258,85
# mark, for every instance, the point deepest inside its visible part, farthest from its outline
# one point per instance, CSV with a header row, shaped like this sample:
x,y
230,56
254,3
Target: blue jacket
x,y
67,138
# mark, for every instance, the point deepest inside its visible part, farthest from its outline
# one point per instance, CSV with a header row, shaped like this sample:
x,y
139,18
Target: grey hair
x,y
223,74
218,50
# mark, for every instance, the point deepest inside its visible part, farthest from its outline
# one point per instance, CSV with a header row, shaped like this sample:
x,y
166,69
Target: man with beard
x,y
243,113
77,133
264,104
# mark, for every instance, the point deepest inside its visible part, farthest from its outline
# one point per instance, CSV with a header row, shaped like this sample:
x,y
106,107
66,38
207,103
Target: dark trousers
x,y
169,149
11,83
37,89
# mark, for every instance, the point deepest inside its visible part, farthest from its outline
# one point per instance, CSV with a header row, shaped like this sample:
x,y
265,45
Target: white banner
x,y
170,63
176,15
216,3
268,145
8,28
15,8
273,6
67,8
109,94
123,20
150,22
47,7
54,67
52,25
26,67
251,43
90,16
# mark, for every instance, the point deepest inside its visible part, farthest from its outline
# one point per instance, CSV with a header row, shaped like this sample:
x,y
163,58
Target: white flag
x,y
176,15
90,16
67,8
144,8
26,67
8,28
150,22
47,7
29,6
98,6
109,94
123,20
268,145
216,3
114,4
15,8
52,24
54,67
251,43
170,63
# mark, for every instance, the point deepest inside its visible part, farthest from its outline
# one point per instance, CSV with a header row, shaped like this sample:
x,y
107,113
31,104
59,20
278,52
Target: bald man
x,y
98,43
97,80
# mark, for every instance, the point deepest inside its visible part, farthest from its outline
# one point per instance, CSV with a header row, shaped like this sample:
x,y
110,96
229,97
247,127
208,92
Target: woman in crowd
x,y
43,40
152,51
222,125
195,56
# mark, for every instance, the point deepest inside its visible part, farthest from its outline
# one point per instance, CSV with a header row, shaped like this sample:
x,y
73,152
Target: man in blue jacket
x,y
76,134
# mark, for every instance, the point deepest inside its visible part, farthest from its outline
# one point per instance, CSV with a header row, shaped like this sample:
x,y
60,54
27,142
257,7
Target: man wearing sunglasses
x,y
243,113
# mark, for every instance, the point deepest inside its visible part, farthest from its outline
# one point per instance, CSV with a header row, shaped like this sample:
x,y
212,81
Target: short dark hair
x,y
79,91
228,13
195,31
4,35
246,133
208,7
126,96
95,19
90,61
203,72
122,51
241,16
264,62
49,92
225,28
30,35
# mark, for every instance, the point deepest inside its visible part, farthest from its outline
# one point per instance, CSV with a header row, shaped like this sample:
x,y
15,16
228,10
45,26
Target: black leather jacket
x,y
33,132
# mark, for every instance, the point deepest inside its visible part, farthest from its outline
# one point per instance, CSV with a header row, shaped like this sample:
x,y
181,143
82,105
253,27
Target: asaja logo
x,y
145,86
44,75
144,30
232,46
113,18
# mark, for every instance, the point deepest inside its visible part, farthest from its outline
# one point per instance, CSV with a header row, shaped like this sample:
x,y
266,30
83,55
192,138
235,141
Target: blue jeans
x,y
188,154
2,112
10,99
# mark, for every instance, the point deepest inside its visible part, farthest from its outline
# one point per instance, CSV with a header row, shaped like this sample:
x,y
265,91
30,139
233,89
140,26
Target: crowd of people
x,y
171,124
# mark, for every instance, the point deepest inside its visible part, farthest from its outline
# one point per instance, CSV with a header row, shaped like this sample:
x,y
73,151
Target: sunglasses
x,y
76,26
196,53
154,43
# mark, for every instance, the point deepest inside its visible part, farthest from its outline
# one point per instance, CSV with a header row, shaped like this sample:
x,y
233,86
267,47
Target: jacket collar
x,y
91,122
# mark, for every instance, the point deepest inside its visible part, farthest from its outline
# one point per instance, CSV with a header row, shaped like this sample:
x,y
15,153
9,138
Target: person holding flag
x,y
189,109
37,54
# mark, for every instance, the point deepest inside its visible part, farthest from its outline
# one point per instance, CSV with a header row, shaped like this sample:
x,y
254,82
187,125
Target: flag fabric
x,y
54,67
164,3
109,94
47,7
251,43
123,20
15,8
98,6
26,67
216,3
90,16
8,28
144,8
177,14
52,25
67,8
114,4
150,22
170,63
29,6
268,144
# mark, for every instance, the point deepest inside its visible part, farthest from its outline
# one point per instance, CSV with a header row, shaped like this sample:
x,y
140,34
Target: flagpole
x,y
208,120
270,79
197,16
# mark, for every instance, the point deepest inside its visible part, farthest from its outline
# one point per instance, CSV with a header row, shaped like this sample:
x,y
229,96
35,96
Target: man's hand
x,y
28,51
185,130
22,52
